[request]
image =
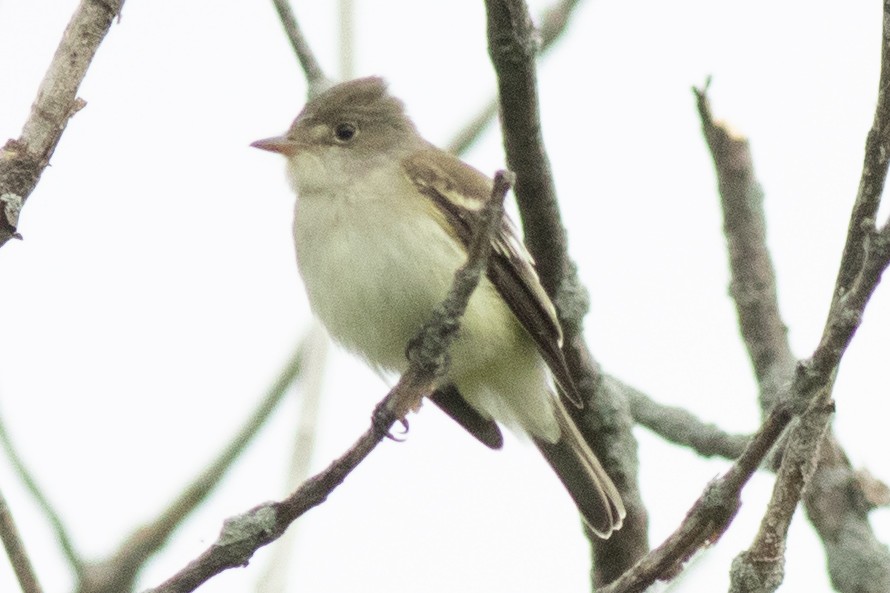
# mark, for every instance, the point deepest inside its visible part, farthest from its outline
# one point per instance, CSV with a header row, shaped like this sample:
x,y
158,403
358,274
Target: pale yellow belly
x,y
373,279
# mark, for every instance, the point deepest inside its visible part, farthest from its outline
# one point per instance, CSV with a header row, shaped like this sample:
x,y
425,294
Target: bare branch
x,y
709,516
606,420
467,135
680,426
243,535
761,567
512,45
274,580
554,21
857,561
315,76
810,389
15,550
118,572
847,314
834,499
753,288
753,285
874,174
837,503
49,511
809,392
22,161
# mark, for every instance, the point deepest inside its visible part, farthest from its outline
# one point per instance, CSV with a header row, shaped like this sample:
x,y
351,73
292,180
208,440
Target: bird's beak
x,y
280,144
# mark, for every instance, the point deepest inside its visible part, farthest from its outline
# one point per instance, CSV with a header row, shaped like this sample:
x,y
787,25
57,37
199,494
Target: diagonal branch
x,y
346,19
48,510
118,572
605,421
15,550
761,567
679,426
835,503
274,580
243,535
753,284
709,516
715,508
554,21
874,174
22,161
315,76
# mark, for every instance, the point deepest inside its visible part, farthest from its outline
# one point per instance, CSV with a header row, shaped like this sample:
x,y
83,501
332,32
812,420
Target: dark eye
x,y
344,132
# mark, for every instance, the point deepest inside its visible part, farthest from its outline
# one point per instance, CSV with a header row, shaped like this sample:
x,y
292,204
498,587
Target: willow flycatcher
x,y
381,223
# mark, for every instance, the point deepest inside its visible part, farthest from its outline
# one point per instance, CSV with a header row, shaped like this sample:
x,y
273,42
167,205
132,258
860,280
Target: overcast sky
x,y
155,294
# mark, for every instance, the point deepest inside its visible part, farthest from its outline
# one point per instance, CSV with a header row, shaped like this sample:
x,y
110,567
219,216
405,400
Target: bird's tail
x,y
583,476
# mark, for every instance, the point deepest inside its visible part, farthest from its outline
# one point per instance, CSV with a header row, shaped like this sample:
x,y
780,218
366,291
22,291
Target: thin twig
x,y
243,535
606,421
281,564
467,135
15,550
49,511
554,21
22,161
874,175
315,76
118,572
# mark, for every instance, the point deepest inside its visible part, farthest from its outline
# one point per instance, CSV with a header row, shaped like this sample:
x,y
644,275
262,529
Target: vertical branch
x,y
512,45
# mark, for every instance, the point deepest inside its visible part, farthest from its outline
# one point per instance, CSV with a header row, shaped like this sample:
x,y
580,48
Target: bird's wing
x,y
459,193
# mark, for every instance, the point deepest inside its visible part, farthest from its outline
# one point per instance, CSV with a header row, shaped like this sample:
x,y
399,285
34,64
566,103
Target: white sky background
x,y
155,295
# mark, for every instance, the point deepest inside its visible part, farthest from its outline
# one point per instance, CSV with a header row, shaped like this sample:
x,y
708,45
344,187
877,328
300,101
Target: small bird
x,y
382,221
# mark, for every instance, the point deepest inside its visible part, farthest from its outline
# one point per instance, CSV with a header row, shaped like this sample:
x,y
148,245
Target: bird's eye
x,y
345,132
